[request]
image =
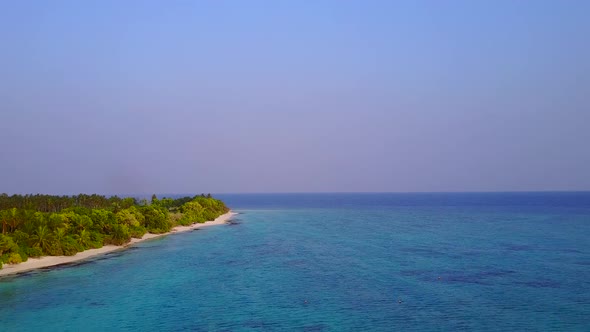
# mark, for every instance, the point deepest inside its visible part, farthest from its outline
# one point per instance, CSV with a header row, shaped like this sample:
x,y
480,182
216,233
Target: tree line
x,y
40,225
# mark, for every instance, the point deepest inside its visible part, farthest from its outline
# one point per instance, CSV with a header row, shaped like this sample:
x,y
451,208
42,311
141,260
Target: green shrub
x,y
14,258
107,239
54,250
156,219
34,252
120,234
184,221
20,237
96,240
70,246
22,251
137,232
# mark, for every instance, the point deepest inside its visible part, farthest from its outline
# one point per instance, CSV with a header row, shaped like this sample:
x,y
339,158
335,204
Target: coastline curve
x,y
50,261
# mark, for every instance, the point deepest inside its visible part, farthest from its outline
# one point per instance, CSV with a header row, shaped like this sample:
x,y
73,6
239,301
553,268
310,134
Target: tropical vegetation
x,y
39,225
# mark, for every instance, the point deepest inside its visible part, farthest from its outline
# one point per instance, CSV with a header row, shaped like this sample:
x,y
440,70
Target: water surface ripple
x,y
334,262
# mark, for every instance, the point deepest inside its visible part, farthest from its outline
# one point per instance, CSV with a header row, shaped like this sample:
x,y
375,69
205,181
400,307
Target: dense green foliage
x,y
37,225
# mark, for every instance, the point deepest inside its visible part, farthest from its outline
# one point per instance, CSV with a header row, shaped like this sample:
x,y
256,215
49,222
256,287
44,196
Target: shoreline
x,y
49,261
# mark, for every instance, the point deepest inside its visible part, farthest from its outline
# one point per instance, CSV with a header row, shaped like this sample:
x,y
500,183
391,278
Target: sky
x,y
134,97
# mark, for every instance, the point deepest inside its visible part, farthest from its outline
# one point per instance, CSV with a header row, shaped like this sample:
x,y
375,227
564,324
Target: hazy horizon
x,y
178,194
146,97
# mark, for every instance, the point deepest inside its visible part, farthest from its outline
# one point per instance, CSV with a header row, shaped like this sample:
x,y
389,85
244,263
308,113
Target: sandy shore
x,y
47,261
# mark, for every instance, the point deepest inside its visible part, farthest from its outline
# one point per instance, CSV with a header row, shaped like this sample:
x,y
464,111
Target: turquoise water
x,y
335,262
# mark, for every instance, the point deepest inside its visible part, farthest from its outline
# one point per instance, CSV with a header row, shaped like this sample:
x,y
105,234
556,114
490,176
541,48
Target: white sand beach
x,y
47,261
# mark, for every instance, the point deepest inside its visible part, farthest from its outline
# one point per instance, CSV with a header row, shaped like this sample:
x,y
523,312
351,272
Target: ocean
x,y
334,262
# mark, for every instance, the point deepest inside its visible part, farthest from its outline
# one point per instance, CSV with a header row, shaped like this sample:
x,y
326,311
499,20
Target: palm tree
x,y
42,238
4,217
59,234
83,238
58,237
14,219
6,244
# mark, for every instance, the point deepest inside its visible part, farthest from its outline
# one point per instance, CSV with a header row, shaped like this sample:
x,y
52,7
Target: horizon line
x,y
163,194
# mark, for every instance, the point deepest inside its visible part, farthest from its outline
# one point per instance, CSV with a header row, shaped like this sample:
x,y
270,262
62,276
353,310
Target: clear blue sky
x,y
287,96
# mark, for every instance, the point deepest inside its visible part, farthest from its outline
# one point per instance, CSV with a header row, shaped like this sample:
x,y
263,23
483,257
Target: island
x,y
45,230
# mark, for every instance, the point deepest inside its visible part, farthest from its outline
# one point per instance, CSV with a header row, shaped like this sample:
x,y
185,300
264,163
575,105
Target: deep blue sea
x,y
334,262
